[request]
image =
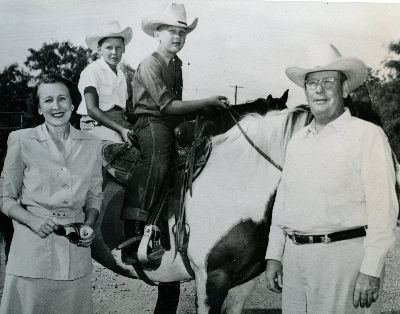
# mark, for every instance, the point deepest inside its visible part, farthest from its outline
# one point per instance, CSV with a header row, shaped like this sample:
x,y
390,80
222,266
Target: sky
x,y
245,43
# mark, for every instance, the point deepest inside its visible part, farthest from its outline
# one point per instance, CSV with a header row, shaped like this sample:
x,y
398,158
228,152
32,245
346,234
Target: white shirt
x,y
340,178
111,88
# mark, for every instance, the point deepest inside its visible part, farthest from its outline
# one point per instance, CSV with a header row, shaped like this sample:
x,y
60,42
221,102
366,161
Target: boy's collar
x,y
167,56
104,65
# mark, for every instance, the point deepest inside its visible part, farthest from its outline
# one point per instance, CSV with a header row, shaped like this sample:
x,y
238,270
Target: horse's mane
x,y
271,132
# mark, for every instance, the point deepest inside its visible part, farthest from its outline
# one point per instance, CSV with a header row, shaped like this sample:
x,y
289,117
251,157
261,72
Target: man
x,y
335,213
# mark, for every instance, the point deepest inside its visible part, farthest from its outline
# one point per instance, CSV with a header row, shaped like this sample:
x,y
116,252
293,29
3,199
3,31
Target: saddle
x,y
193,147
191,137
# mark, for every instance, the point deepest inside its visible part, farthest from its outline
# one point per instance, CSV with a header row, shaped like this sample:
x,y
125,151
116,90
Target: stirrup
x,y
129,242
151,239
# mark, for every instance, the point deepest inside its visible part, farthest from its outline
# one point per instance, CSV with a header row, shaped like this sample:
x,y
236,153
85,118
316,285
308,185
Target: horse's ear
x,y
284,97
269,97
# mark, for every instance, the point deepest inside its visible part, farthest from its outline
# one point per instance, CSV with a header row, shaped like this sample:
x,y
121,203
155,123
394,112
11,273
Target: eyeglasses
x,y
71,232
327,83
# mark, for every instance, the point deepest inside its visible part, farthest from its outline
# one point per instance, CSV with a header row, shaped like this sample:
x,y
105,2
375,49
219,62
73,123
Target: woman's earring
x,y
72,107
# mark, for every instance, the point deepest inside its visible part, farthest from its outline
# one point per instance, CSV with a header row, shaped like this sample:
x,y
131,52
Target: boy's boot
x,y
133,232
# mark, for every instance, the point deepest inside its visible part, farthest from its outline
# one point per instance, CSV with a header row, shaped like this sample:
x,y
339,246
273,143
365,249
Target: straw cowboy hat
x,y
328,58
174,14
108,29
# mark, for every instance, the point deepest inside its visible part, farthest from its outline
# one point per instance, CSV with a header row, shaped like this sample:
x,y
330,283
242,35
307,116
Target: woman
x,y
52,179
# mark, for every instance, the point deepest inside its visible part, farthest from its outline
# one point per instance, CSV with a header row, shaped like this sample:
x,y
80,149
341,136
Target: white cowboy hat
x,y
108,29
327,58
174,14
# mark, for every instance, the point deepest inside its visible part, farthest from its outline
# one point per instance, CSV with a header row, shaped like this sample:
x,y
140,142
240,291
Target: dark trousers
x,y
156,140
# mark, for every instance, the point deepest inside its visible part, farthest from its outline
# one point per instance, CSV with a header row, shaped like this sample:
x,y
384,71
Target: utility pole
x,y
236,88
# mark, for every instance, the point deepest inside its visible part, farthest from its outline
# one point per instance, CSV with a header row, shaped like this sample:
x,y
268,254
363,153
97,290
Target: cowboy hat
x,y
174,14
328,58
108,29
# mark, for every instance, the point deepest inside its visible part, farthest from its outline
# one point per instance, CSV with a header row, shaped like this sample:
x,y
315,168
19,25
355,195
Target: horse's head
x,y
223,121
277,103
262,105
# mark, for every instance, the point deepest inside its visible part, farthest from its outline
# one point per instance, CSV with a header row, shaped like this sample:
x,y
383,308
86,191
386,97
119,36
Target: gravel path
x,y
116,294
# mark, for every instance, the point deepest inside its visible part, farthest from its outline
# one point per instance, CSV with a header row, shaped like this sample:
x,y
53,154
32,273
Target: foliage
x,y
381,92
14,86
59,57
388,98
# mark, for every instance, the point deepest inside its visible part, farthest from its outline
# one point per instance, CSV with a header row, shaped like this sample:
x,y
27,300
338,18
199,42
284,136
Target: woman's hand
x,y
125,136
42,226
87,235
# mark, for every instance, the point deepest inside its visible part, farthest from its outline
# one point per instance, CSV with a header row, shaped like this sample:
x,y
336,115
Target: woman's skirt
x,y
44,296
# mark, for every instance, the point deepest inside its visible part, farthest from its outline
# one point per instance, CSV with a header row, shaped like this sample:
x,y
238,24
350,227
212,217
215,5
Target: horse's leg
x,y
237,296
201,293
168,298
7,230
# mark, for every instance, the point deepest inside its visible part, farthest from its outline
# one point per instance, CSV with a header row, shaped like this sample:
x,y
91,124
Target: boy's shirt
x,y
156,83
111,88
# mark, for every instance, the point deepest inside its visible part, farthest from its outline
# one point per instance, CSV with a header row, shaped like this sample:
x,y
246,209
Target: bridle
x,y
232,112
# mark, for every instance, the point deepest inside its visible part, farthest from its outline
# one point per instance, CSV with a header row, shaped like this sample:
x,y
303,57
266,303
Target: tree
x,y
387,98
393,64
62,58
14,88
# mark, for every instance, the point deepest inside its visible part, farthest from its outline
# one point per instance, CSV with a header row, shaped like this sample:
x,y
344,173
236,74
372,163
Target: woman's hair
x,y
56,78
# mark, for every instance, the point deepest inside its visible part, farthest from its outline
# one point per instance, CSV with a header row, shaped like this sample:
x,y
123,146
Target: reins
x,y
257,149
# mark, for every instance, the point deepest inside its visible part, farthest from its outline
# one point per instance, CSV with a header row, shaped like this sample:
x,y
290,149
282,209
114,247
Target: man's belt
x,y
327,238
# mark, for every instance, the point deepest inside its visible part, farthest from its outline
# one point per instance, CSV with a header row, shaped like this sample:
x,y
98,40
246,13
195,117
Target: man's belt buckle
x,y
326,239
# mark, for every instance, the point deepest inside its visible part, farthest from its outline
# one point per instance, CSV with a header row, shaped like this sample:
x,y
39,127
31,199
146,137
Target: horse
x,y
110,226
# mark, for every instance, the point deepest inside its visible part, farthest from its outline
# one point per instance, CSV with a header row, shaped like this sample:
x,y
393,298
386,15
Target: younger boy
x,y
102,84
158,105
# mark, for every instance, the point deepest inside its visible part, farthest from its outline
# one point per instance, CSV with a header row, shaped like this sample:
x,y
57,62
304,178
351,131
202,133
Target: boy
x,y
102,84
158,105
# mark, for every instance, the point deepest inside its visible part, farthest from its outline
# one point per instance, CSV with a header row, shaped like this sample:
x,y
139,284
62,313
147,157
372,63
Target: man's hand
x,y
274,275
366,290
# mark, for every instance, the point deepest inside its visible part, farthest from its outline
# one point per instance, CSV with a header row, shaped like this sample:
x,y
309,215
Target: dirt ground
x,y
116,294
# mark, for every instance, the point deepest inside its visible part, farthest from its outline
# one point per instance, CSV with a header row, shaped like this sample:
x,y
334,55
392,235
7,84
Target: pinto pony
x,y
110,226
228,215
